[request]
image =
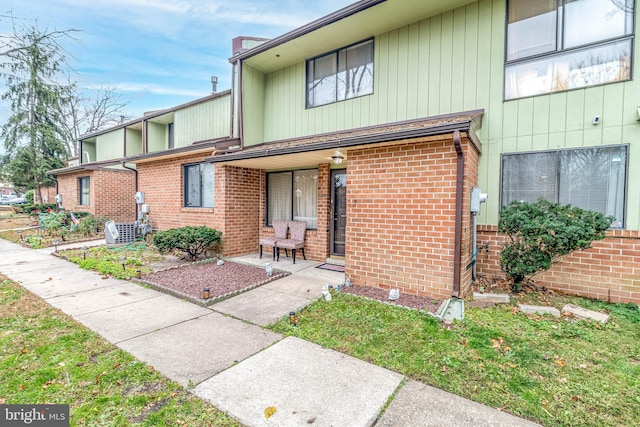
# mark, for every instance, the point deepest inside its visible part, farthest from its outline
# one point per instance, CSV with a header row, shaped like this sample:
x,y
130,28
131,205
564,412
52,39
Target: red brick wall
x,y
237,198
316,241
48,195
401,216
238,195
111,193
162,184
610,270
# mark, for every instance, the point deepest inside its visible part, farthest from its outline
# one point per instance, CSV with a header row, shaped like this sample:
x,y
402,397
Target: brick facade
x,y
401,203
609,270
111,193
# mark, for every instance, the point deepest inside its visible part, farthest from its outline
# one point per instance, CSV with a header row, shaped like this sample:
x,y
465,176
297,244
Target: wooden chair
x,y
280,229
295,241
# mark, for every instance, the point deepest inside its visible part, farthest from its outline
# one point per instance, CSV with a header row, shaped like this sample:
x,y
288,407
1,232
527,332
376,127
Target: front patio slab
x,y
127,321
418,404
261,306
307,385
192,351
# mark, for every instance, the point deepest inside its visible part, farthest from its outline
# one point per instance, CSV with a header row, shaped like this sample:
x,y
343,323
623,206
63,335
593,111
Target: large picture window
x,y
293,195
589,178
84,191
198,185
549,50
339,75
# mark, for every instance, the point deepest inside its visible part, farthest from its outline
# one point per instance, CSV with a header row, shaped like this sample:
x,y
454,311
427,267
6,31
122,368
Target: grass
x,y
108,260
552,371
47,357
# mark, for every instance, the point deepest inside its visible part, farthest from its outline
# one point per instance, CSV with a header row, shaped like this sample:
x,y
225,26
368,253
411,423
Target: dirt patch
x,y
223,281
406,300
12,222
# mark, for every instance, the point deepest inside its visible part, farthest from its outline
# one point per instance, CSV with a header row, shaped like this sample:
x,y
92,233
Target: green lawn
x,y
47,357
552,371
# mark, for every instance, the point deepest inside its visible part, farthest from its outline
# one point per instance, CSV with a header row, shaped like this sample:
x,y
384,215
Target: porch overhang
x,y
356,22
319,149
84,167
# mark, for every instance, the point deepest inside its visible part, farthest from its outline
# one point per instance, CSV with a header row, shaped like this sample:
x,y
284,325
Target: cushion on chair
x,y
280,229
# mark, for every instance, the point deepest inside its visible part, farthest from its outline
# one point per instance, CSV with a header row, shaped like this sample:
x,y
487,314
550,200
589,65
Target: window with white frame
x,y
293,195
84,191
198,185
589,178
341,74
556,45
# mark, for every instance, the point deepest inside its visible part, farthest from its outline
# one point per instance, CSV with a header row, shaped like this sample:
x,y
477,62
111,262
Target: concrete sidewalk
x,y
248,368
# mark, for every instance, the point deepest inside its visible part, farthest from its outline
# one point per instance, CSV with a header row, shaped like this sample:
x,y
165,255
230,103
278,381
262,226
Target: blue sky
x,y
159,53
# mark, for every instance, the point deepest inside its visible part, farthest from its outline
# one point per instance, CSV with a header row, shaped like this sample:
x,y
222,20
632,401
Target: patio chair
x,y
280,229
295,241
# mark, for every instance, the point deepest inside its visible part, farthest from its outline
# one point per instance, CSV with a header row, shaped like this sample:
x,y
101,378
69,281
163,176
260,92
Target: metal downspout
x,y
457,255
135,171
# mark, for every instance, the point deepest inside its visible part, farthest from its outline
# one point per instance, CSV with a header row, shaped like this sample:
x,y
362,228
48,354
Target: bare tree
x,y
88,112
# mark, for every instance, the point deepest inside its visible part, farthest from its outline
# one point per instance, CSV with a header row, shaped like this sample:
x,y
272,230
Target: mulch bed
x,y
223,281
405,300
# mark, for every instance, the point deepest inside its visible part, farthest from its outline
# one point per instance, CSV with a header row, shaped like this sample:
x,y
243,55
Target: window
x,y
170,136
84,191
293,196
548,49
198,185
589,178
339,75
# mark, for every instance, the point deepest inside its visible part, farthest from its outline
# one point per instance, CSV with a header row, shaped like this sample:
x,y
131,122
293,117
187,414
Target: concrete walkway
x,y
248,368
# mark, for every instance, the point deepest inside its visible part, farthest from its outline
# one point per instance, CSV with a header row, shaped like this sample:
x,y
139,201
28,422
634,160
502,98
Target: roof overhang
x,y
85,167
200,147
359,21
319,149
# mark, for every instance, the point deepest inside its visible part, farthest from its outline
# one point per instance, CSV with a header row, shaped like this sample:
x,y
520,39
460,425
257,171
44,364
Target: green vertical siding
x,y
446,64
110,145
206,120
156,137
88,152
134,142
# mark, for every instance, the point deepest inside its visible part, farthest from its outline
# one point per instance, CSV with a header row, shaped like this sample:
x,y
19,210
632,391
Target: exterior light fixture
x,y
123,261
205,293
337,158
293,319
55,245
268,268
20,234
84,252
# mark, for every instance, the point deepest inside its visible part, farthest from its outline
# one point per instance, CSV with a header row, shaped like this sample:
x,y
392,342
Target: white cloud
x,y
158,89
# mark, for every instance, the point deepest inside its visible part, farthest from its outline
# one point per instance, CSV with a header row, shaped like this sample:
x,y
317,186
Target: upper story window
x,y
339,75
198,185
556,45
589,178
84,190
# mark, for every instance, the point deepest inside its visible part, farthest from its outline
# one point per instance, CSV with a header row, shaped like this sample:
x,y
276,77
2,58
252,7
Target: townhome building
x,y
375,123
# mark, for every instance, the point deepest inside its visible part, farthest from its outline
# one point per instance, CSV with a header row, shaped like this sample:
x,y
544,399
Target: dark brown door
x,y
338,211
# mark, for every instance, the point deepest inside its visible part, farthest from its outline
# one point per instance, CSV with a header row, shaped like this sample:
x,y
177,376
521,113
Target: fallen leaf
x,y
2,401
84,383
268,412
576,398
562,380
23,351
119,382
560,362
117,365
582,366
507,348
512,365
100,376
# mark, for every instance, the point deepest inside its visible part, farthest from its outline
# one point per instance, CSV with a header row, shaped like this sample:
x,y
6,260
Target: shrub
x,y
54,223
90,225
29,197
540,233
191,240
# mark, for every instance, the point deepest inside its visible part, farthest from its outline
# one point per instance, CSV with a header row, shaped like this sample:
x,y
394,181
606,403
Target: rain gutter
x,y
457,251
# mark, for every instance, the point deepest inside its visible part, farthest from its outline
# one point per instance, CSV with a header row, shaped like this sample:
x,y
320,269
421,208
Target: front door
x,y
338,211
